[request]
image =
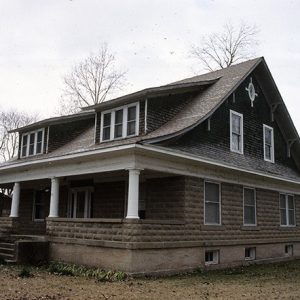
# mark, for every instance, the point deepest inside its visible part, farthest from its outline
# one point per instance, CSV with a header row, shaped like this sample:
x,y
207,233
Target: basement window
x,y
250,253
212,257
120,122
289,249
32,143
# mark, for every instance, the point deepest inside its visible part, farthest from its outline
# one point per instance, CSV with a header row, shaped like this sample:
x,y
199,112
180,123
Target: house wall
x,y
163,109
61,134
215,143
165,198
162,241
25,223
109,200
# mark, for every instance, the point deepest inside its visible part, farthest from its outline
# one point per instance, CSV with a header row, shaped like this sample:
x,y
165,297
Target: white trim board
x,y
74,159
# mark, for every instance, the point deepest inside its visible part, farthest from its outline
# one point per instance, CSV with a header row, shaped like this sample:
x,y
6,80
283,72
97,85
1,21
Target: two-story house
x,y
203,172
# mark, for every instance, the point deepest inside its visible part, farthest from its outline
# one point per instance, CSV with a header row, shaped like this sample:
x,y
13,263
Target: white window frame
x,y
249,188
220,203
35,142
287,210
87,202
125,119
272,143
216,257
242,132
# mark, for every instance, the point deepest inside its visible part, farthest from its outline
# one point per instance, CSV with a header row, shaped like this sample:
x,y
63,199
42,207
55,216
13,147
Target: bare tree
x,y
91,81
232,45
9,120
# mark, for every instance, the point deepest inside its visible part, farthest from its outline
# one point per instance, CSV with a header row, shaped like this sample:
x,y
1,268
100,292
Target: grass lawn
x,y
274,281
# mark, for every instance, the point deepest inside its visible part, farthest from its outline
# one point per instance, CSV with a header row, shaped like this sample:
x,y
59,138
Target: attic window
x,y
120,122
236,132
268,143
32,143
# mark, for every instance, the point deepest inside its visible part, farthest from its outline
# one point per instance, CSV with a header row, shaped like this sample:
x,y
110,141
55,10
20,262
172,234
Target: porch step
x,y
7,250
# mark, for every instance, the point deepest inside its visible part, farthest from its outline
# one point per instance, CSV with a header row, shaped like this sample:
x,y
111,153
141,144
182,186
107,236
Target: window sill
x,y
118,139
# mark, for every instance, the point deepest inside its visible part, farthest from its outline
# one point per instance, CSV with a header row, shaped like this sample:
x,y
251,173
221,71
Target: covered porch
x,y
99,205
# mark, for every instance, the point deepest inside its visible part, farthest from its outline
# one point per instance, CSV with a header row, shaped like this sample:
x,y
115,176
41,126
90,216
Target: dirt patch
x,y
278,281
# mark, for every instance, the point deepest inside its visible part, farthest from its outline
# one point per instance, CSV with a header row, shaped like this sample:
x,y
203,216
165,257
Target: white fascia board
x,y
146,149
65,158
206,161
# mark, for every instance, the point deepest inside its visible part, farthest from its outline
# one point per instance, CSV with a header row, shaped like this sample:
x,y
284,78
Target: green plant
x,y
25,273
75,270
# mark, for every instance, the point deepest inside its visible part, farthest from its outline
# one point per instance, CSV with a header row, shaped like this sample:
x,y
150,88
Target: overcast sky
x,y
41,40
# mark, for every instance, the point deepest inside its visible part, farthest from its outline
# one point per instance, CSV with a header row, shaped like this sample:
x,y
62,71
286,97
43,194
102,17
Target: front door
x,y
80,203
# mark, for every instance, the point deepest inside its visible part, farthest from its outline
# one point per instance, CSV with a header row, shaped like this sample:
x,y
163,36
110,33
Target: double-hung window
x,y
287,210
32,143
236,132
249,206
268,143
120,122
212,203
40,201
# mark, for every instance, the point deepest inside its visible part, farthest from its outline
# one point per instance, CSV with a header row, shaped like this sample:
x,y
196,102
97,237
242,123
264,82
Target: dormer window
x,y
32,143
268,143
236,132
120,123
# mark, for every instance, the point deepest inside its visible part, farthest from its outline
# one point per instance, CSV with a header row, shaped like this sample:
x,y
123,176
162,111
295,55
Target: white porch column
x,y
133,194
15,203
54,199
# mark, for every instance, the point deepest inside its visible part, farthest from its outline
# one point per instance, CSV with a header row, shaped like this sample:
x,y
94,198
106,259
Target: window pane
x,y
212,213
290,202
24,146
106,134
39,136
131,113
31,143
249,215
107,119
283,217
40,198
131,128
118,131
236,124
80,204
268,152
268,136
249,197
282,201
119,116
38,148
236,142
291,217
212,192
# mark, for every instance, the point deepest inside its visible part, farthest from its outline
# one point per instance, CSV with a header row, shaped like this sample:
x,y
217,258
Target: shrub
x,y
25,273
75,270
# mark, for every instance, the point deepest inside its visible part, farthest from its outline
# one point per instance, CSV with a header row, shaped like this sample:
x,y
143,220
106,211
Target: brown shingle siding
x,y
64,133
